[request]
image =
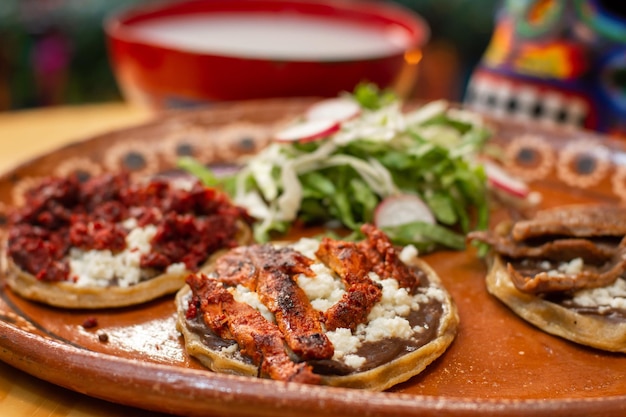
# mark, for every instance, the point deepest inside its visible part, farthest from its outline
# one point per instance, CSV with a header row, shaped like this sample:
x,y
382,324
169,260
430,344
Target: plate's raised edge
x,y
175,118
192,392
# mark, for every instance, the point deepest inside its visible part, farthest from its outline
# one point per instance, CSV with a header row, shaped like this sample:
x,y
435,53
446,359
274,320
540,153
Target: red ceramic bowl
x,y
197,52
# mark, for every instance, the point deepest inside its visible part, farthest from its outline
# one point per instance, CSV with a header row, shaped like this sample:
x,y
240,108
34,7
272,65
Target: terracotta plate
x,y
497,366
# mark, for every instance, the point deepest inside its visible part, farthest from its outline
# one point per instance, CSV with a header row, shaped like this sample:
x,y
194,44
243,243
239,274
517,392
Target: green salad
x,y
414,174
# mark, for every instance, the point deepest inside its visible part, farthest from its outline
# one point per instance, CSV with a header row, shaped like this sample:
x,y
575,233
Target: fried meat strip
x,y
258,338
589,277
347,261
592,251
270,272
296,318
354,306
236,267
384,258
574,220
592,233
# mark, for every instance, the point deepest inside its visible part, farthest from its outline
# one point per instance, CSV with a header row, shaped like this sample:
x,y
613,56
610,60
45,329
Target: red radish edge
x,y
338,109
502,180
308,131
402,209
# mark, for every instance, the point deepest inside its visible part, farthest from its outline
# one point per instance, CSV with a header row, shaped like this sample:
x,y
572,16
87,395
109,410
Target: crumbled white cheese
x,y
138,239
183,183
306,246
344,342
611,296
430,293
177,268
408,253
382,328
395,301
546,265
244,295
420,329
130,223
354,361
573,267
324,289
230,350
99,268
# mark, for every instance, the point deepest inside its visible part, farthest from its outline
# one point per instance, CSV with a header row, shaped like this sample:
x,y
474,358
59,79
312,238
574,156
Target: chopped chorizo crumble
x,y
191,220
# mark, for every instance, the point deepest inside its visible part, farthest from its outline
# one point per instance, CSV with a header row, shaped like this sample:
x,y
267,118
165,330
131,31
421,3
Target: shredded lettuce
x,y
385,151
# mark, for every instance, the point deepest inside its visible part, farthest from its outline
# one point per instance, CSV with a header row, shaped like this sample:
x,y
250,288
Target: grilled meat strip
x,y
561,250
351,264
590,277
270,272
237,268
278,290
258,338
593,233
384,258
582,220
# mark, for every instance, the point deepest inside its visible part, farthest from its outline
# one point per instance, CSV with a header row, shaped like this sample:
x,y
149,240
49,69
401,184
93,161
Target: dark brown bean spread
x,y
376,353
531,267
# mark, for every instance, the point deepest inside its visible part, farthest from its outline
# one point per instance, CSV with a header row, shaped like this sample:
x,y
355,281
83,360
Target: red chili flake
x,y
193,308
90,323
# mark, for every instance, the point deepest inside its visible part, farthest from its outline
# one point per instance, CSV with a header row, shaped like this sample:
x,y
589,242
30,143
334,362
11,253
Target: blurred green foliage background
x,y
54,52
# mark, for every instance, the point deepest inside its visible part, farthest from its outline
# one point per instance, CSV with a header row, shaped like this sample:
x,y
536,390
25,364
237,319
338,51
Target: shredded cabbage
x,y
429,151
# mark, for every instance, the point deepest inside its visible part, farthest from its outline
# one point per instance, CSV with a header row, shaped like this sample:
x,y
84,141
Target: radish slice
x,y
502,180
402,209
308,131
338,109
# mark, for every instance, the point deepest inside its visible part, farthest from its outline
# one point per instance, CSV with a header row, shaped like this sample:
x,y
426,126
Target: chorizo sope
x,y
112,240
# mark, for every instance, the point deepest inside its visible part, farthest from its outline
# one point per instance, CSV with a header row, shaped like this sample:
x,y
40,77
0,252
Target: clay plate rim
x,y
195,392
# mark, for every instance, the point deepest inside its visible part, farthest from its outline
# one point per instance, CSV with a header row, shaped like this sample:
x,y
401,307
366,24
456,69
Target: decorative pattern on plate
x,y
125,369
205,143
191,142
84,168
240,139
530,157
132,156
580,160
583,163
618,182
20,187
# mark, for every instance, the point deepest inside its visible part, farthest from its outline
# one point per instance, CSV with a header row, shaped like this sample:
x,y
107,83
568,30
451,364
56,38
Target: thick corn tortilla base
x,y
376,379
68,295
552,318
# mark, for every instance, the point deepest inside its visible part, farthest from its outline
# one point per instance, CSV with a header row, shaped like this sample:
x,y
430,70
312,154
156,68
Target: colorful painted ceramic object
x,y
557,62
498,366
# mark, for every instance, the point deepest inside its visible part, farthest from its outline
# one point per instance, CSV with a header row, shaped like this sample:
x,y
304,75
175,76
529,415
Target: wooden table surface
x,y
24,134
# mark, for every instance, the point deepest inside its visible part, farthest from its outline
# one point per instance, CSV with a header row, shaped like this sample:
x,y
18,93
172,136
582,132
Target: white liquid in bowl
x,y
277,36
